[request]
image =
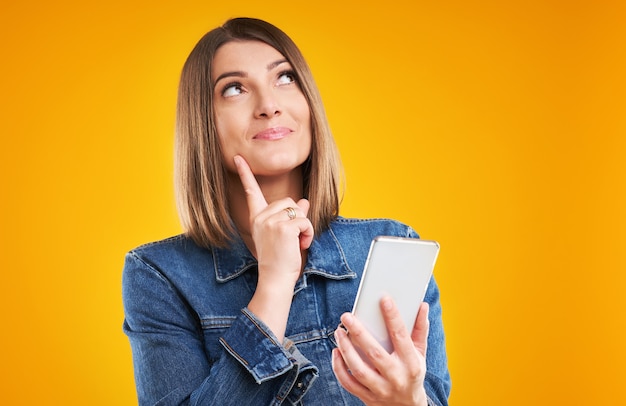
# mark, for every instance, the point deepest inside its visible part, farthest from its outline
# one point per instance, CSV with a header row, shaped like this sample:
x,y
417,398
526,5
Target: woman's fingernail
x,y
339,334
386,303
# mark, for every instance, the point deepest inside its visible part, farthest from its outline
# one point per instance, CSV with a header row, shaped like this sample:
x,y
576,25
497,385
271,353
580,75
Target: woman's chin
x,y
275,166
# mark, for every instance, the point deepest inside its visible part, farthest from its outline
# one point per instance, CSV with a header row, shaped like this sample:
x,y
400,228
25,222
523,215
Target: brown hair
x,y
200,176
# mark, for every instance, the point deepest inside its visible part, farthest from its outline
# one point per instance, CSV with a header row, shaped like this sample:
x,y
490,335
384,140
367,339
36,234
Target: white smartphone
x,y
398,267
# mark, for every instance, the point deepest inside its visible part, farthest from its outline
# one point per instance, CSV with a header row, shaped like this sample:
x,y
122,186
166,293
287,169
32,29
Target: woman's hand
x,y
280,231
384,379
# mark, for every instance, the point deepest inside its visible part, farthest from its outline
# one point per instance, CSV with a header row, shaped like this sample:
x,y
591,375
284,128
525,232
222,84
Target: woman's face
x,y
260,111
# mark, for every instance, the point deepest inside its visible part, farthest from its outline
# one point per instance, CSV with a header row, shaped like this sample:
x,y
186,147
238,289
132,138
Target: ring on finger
x,y
291,212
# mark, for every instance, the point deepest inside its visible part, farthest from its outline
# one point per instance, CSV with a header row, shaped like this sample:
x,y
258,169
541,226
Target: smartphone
x,y
401,268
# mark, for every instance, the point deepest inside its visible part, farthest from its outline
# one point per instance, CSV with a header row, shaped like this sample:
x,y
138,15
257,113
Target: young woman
x,y
244,308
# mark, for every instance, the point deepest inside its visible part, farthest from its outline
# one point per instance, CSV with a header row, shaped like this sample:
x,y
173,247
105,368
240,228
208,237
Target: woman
x,y
244,307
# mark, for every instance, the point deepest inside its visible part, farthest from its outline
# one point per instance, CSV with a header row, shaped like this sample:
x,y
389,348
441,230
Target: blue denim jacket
x,y
194,341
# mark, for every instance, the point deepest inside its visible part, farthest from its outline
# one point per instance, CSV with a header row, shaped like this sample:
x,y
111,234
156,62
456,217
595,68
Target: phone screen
x,y
398,267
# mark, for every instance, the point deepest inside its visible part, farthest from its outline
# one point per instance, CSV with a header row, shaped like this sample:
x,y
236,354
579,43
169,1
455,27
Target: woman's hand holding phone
x,y
365,369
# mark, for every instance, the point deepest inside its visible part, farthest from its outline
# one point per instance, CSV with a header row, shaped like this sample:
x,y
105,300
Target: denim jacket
x,y
195,342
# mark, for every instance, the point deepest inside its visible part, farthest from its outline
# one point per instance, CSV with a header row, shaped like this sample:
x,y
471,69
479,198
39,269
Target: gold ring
x,y
291,212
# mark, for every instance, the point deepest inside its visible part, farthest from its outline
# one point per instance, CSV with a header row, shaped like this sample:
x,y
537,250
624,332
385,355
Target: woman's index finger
x,y
254,195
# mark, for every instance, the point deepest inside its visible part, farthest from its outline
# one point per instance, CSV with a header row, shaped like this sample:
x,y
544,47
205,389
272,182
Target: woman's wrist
x,y
271,303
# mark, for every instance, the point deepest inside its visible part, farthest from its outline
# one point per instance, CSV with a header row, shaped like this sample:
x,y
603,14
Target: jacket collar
x,y
326,257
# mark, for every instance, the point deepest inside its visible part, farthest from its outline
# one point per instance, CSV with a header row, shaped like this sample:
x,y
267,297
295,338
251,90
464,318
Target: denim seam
x,y
156,272
369,220
324,273
217,322
258,326
344,260
235,354
258,378
317,307
288,384
161,242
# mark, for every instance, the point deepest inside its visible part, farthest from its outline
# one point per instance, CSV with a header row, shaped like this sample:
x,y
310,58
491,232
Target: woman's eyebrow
x,y
276,63
241,74
237,74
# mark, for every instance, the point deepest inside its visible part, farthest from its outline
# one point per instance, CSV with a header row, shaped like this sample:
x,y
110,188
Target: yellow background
x,y
497,128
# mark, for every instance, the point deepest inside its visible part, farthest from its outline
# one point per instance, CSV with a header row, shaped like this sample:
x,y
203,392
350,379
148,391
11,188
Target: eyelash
x,y
229,85
289,72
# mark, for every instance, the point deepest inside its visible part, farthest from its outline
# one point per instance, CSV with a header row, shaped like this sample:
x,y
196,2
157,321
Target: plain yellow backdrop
x,y
496,128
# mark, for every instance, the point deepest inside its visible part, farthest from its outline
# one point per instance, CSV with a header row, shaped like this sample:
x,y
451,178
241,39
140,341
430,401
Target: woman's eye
x,y
286,78
232,90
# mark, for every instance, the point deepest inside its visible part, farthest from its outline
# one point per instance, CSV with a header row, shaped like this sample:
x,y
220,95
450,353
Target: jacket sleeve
x,y
437,382
170,363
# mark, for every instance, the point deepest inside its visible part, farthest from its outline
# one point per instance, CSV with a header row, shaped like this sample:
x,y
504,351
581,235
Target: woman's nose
x,y
267,105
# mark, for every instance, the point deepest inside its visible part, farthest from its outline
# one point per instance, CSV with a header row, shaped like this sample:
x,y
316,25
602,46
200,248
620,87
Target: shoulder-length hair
x,y
200,174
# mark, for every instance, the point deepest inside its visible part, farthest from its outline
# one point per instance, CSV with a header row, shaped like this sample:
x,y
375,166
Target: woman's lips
x,y
271,134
